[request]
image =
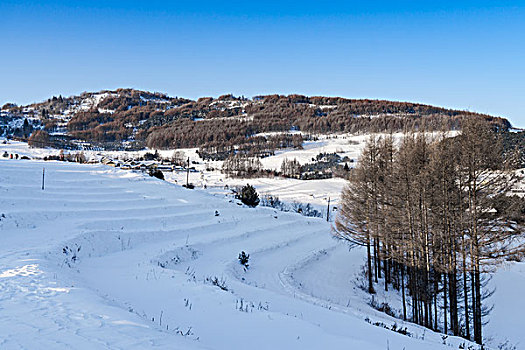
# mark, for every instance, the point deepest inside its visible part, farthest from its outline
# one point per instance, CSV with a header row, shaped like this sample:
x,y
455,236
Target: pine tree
x,y
248,195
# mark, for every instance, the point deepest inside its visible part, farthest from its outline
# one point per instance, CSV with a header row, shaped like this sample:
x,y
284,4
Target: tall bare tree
x,y
434,216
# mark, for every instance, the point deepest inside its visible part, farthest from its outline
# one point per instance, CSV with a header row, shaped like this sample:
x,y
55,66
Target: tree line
x,y
158,121
434,216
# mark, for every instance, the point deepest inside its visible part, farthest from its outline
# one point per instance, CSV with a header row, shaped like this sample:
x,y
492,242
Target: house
x,y
165,167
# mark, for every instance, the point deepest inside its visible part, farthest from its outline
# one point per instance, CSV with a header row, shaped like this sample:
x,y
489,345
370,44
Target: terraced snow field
x,y
108,259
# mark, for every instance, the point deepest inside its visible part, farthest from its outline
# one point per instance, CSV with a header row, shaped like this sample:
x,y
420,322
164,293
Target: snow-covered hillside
x,y
315,192
104,258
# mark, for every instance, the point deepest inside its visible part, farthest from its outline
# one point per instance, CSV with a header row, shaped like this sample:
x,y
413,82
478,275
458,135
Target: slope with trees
x,y
435,217
221,125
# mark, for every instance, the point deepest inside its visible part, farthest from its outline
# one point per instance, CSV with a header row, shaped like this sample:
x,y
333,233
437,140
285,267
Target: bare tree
x,y
434,216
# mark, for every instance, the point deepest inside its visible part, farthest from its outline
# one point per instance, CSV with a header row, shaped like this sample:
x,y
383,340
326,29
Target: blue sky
x,y
458,54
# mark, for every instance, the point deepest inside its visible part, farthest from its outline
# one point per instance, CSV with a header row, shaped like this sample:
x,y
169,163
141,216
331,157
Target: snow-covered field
x,y
315,192
104,258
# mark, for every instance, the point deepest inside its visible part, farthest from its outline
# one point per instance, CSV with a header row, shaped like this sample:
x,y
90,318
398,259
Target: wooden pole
x,y
188,174
328,210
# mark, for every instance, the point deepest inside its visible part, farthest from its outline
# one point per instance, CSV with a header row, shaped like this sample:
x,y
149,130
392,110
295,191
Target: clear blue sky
x,y
458,54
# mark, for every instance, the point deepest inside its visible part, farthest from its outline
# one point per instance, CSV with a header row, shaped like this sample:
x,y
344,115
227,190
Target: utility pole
x,y
43,177
328,210
188,174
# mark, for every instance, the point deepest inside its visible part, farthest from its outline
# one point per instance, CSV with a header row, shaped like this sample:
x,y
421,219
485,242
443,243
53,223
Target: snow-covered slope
x,y
104,258
315,192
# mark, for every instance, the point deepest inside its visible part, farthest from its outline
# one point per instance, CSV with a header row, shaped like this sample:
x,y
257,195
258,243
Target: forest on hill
x,y
224,125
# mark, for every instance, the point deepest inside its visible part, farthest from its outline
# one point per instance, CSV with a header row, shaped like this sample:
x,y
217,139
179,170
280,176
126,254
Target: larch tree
x,y
434,215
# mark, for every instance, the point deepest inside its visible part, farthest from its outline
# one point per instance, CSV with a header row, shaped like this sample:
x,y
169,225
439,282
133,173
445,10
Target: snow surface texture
x,y
110,259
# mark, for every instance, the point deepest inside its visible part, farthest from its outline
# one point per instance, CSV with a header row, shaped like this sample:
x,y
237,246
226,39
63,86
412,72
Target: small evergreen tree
x,y
155,172
249,196
243,259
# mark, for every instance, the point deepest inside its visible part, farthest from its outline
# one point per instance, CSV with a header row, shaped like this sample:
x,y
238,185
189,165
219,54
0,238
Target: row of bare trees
x,y
240,165
434,216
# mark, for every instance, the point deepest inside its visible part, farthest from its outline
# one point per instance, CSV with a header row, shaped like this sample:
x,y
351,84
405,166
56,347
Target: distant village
x,y
149,162
145,165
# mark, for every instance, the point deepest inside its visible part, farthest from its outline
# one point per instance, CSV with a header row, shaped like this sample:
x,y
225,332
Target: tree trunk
x,y
369,262
375,260
403,292
445,323
465,298
474,309
478,336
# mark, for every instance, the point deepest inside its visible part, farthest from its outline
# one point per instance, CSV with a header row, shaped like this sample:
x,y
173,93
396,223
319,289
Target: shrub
x,y
243,259
249,196
156,173
221,283
272,202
